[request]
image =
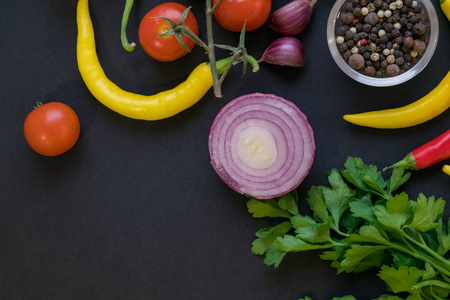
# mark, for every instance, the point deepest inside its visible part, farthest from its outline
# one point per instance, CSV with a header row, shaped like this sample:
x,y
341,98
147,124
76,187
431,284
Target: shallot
x,y
261,145
285,51
292,18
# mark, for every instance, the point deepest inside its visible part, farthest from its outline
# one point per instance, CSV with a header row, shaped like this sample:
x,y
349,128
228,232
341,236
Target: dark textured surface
x,y
134,210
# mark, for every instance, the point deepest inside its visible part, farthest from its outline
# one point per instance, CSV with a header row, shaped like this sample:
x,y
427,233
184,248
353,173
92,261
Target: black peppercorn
x,y
359,27
388,27
405,49
408,33
347,54
342,47
399,40
419,46
347,6
398,53
399,60
371,18
370,71
419,28
409,3
367,27
403,21
395,33
349,35
341,30
414,19
347,18
385,6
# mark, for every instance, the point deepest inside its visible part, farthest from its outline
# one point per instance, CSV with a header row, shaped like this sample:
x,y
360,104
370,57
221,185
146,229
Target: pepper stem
x,y
408,163
123,34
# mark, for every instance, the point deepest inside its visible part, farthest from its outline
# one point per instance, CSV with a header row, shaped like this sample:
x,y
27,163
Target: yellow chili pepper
x,y
420,111
445,6
446,169
162,105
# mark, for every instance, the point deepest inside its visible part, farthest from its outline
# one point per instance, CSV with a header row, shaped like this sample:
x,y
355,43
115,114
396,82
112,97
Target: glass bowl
x,y
383,81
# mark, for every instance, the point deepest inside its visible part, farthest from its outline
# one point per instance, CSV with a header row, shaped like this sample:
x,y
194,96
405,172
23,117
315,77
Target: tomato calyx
x,y
178,30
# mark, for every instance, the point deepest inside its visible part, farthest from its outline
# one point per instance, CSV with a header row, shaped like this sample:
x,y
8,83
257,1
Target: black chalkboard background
x,y
134,210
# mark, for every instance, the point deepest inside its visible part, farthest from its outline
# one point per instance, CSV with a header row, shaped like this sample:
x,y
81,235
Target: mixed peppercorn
x,y
382,38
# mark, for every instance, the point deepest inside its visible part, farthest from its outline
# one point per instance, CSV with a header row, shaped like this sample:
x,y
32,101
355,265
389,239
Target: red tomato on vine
x,y
232,14
165,48
51,129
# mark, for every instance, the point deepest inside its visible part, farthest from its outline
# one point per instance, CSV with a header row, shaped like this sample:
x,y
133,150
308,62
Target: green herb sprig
x,y
360,223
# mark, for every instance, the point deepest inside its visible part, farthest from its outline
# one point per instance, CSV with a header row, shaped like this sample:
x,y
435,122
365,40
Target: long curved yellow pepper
x,y
162,105
420,111
446,169
445,6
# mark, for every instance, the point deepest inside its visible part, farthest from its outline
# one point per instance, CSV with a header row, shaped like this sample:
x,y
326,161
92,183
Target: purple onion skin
x,y
285,51
292,18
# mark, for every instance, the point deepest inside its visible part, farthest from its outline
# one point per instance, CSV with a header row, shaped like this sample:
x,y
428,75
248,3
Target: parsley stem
x,y
429,250
425,258
433,282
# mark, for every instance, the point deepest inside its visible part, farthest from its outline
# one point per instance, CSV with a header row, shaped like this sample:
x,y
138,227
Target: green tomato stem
x,y
123,35
211,54
187,32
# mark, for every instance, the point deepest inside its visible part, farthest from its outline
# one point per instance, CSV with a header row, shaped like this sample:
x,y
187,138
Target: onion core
x,y
261,145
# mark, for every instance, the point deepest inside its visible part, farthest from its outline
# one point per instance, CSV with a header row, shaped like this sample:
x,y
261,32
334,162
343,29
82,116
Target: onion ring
x,y
261,145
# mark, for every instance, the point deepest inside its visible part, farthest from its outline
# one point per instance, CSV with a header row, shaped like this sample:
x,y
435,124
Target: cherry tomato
x,y
52,129
165,48
231,14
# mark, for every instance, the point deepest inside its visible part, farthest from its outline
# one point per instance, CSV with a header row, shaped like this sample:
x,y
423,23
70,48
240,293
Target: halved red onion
x,y
261,145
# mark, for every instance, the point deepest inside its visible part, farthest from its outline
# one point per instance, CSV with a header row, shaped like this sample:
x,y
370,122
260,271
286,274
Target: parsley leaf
x,y
395,214
266,236
363,208
426,212
402,279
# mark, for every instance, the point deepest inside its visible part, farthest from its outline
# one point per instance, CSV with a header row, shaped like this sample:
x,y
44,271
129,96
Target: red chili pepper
x,y
428,154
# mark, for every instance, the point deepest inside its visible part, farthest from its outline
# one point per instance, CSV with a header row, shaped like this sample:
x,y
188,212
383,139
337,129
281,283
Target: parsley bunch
x,y
360,223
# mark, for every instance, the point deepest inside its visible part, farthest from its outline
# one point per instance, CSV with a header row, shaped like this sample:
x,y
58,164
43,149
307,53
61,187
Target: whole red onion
x,y
285,51
292,18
